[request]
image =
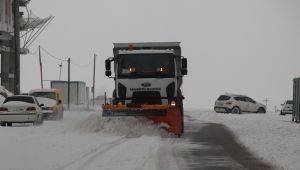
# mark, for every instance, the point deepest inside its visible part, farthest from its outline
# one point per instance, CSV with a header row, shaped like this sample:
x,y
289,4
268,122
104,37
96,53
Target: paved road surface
x,y
217,149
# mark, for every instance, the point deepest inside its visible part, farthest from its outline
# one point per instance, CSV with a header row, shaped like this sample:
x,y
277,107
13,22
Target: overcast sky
x,y
249,47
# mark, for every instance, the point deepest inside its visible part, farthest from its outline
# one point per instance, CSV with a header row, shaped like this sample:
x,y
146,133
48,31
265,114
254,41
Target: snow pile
x,y
272,137
128,126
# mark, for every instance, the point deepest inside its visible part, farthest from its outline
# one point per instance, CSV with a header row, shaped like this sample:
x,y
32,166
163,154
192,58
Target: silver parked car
x,y
20,109
235,103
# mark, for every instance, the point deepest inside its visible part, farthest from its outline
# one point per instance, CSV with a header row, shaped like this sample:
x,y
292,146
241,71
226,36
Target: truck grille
x,y
146,97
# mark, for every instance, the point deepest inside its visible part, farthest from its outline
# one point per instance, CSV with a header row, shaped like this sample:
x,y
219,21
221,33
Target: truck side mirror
x,y
184,63
184,66
107,65
108,73
184,72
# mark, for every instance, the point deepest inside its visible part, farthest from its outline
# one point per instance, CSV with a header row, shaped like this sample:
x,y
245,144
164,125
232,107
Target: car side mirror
x,y
41,105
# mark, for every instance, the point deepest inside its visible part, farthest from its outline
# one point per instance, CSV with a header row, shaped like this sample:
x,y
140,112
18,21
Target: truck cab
x,y
147,73
148,79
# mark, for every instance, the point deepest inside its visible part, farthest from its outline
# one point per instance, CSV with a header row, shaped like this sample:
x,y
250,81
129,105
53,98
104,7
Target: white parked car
x,y
20,109
287,107
233,103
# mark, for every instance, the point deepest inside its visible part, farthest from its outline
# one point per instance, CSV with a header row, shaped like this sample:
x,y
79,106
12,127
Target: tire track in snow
x,y
94,153
133,153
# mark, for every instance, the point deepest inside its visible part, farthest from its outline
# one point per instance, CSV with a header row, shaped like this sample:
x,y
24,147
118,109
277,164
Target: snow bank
x,y
128,126
271,137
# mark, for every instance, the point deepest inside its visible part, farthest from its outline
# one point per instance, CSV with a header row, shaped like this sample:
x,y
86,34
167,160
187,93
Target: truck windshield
x,y
50,95
146,66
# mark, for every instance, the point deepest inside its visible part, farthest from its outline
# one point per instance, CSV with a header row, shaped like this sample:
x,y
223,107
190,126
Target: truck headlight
x,y
173,103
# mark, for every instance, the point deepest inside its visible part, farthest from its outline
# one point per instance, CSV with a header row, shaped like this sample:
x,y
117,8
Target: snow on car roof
x,y
231,94
42,90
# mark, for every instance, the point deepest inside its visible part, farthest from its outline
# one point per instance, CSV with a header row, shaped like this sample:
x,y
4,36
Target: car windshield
x,y
289,102
224,97
146,65
26,99
50,95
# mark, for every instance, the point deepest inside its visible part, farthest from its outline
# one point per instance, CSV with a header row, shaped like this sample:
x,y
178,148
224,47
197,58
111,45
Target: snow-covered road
x,y
85,140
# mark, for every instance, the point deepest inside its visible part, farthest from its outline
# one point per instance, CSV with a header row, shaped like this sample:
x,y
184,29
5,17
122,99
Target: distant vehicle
x,y
77,91
287,107
52,100
233,103
21,109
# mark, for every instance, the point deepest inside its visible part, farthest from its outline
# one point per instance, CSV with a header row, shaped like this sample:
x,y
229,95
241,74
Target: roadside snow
x,y
85,140
271,137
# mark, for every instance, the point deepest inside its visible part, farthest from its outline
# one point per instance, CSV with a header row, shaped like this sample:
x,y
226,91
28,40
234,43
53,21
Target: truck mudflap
x,y
168,114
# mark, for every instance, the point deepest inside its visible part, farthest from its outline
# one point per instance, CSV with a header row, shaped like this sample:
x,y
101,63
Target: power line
x,y
82,66
51,55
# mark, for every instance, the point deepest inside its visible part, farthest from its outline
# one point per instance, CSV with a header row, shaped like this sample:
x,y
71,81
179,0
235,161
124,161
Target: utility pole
x,y
266,102
69,60
16,10
60,66
41,66
94,80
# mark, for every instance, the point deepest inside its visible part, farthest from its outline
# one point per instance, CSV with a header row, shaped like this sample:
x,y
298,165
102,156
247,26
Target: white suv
x,y
238,103
287,107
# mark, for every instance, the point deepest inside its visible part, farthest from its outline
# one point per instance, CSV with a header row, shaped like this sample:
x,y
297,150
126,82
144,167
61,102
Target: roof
x,y
231,94
42,90
147,44
60,81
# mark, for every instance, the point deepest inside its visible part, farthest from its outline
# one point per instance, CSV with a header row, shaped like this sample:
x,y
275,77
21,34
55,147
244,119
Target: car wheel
x,y
61,116
261,110
3,124
41,121
9,123
236,110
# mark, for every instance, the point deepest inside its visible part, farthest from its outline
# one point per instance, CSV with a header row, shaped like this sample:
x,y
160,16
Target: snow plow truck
x,y
148,78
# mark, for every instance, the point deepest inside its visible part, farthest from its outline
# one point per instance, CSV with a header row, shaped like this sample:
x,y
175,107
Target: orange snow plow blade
x,y
168,114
